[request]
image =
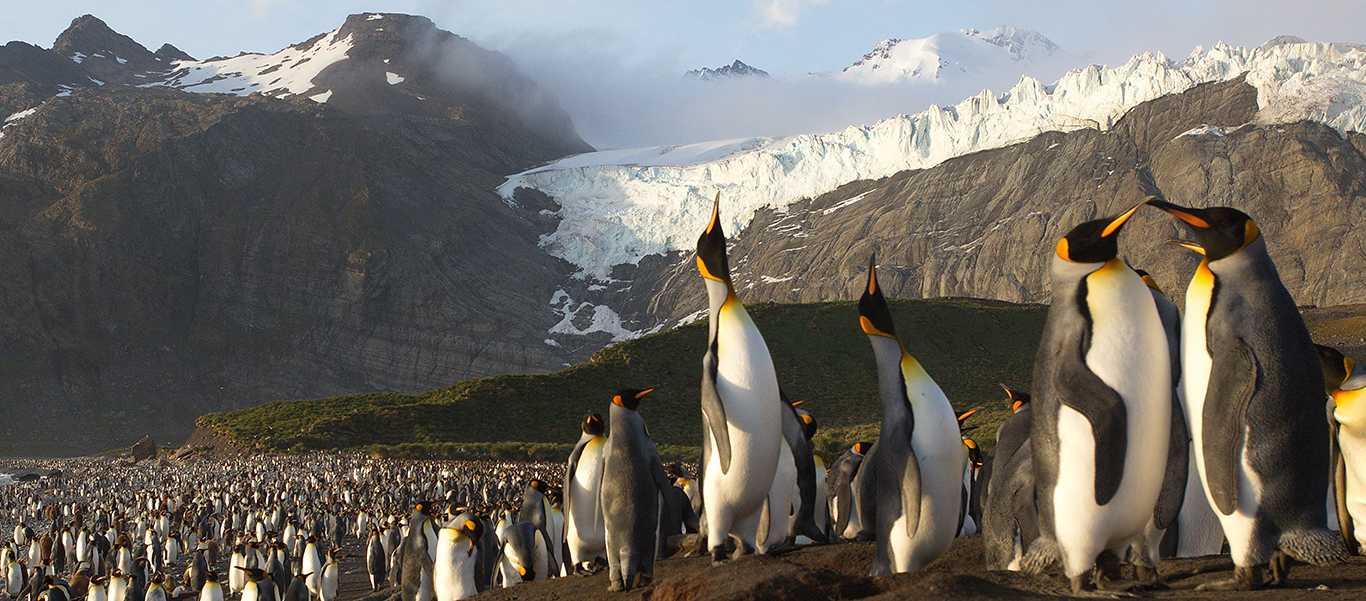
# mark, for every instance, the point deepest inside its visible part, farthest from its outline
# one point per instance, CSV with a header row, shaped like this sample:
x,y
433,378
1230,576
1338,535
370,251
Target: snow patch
x,y
321,98
289,71
1209,130
772,280
844,203
374,17
78,57
20,115
393,78
620,205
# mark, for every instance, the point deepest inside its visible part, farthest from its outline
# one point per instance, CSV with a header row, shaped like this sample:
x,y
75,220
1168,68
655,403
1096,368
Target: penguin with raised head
x,y
844,504
741,406
633,481
1347,431
1100,417
1010,514
916,468
1253,392
583,530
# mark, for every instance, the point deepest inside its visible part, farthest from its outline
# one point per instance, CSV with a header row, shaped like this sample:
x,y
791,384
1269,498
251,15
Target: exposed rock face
x,y
145,448
108,55
984,225
166,254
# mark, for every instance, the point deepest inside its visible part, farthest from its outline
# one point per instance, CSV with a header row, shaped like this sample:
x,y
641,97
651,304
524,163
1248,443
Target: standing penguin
x,y
454,574
916,469
970,512
211,591
1254,397
327,585
583,530
376,563
1162,535
741,406
1347,416
536,511
415,562
844,502
1010,514
632,482
1102,378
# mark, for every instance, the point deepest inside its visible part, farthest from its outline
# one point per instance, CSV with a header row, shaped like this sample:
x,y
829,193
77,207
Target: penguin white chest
x,y
748,386
1128,352
1351,416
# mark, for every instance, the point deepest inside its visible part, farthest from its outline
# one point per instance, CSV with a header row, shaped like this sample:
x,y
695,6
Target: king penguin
x,y
741,406
1163,533
844,504
916,467
454,569
1102,378
583,529
970,512
1254,397
1347,417
1010,514
633,481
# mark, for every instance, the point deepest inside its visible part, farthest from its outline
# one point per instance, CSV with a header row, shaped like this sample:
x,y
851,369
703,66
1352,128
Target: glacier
x,y
618,206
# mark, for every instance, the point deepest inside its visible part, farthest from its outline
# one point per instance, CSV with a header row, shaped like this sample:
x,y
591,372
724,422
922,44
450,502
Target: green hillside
x,y
967,345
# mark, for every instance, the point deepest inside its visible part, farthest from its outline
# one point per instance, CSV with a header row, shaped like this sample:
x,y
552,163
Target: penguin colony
x,y
1150,433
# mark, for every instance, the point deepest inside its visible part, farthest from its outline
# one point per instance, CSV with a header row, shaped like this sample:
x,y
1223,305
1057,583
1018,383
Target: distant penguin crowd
x,y
1149,432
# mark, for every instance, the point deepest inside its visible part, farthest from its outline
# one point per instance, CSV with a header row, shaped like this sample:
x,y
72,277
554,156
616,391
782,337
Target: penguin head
x,y
1018,398
808,424
711,248
861,448
1336,367
592,425
629,398
1095,241
974,452
1221,231
874,317
963,417
472,529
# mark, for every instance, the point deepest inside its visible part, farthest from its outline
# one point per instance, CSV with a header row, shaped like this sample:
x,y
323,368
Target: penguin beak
x,y
1118,222
1190,246
1190,216
874,317
966,414
644,393
712,246
796,403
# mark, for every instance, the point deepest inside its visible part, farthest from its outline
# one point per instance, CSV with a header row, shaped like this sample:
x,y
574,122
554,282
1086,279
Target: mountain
x,y
168,251
963,55
736,69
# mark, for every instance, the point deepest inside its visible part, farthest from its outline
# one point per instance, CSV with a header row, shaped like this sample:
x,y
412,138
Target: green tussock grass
x,y
821,356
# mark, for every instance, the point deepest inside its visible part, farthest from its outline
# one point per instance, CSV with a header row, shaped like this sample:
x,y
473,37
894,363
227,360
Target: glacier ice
x,y
618,206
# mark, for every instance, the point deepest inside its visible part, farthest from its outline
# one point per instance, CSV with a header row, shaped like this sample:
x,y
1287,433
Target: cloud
x,y
783,14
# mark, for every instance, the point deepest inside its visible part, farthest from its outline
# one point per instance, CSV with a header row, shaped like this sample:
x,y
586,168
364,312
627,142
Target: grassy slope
x,y
967,345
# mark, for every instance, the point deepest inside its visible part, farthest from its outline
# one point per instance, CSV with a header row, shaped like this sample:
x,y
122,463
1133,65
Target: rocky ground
x,y
839,572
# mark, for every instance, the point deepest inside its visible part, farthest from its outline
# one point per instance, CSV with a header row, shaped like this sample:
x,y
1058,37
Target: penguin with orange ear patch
x,y
1254,393
1010,515
1101,412
970,517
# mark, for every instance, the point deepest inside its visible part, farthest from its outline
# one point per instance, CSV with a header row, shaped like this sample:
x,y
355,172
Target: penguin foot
x,y
1243,579
615,587
741,550
718,555
1147,578
1279,570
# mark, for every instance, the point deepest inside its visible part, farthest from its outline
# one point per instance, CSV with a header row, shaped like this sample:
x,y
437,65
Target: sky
x,y
614,64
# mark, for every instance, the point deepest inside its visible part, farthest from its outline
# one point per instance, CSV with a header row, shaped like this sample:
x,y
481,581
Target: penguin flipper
x,y
1173,492
910,494
865,483
714,411
1339,466
1103,407
1231,385
569,475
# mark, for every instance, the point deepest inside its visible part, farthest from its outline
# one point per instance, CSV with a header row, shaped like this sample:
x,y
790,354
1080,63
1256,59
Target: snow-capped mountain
x,y
617,207
955,55
737,69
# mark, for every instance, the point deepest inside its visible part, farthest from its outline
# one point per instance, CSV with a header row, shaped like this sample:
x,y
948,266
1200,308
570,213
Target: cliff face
x,y
166,253
984,225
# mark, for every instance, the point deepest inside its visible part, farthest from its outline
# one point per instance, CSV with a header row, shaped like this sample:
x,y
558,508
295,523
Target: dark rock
x,y
143,449
168,52
108,55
